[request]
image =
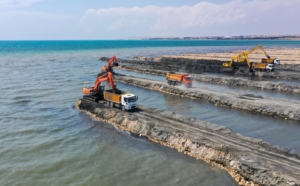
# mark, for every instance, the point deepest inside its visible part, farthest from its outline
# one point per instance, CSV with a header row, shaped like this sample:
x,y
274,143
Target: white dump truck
x,y
124,100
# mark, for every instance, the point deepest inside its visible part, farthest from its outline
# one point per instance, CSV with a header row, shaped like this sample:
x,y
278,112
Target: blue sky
x,y
116,19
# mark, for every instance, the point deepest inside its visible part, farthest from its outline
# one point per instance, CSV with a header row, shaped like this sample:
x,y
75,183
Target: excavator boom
x,y
107,68
95,90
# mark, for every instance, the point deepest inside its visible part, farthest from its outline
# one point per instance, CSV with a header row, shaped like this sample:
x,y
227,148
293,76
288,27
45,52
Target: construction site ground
x,y
250,161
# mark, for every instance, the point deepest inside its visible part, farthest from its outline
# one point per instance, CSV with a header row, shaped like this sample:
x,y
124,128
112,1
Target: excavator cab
x,y
101,89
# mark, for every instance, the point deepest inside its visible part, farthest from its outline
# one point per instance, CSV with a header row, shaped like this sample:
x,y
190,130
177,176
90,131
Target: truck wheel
x,y
111,104
123,108
174,83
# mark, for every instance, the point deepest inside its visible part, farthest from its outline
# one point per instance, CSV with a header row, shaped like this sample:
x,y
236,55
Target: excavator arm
x,y
107,68
261,48
95,90
239,58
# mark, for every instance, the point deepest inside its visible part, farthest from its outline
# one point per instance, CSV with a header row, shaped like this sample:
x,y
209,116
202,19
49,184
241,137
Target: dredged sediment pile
x,y
250,161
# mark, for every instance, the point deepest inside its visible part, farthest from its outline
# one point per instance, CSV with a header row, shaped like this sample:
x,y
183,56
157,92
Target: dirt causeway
x,y
249,161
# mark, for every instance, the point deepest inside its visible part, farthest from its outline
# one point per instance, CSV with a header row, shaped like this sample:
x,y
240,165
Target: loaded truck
x,y
121,99
271,61
262,66
179,79
113,97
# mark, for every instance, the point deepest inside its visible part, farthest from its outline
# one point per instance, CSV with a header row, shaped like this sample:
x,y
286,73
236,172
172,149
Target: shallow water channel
x,y
218,87
277,131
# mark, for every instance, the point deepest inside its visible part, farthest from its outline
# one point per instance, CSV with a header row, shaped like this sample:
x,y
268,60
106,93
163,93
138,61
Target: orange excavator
x,y
96,92
107,68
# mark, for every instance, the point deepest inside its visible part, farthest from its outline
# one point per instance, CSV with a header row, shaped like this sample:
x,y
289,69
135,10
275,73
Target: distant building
x,y
227,37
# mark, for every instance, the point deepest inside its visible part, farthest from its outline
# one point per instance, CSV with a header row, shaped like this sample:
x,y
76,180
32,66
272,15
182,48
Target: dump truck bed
x,y
113,95
259,65
264,60
174,76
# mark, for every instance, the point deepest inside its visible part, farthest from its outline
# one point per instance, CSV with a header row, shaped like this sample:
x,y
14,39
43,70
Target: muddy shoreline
x,y
249,161
223,80
288,109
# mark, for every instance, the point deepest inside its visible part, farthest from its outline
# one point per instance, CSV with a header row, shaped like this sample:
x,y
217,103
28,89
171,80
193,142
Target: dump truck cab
x,y
129,101
270,67
188,80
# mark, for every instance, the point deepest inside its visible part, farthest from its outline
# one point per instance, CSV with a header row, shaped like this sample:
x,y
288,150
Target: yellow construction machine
x,y
265,65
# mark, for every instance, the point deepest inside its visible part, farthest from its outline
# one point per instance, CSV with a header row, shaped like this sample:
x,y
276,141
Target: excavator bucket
x,y
226,65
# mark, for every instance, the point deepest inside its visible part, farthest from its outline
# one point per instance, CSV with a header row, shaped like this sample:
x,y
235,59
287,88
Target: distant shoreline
x,y
296,39
241,37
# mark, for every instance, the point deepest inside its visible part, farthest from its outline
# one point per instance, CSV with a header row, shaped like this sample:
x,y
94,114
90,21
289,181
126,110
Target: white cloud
x,y
238,17
201,14
237,13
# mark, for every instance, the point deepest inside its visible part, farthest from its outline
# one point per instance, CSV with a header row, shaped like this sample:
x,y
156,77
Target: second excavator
x,y
110,63
113,97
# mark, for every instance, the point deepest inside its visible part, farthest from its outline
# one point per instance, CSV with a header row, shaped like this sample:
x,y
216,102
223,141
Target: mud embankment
x,y
264,105
211,66
231,81
249,161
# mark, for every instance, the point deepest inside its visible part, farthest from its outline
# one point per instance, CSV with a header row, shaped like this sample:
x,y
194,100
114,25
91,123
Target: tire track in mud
x,y
231,141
